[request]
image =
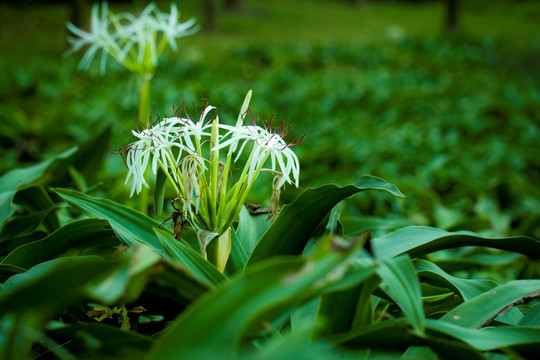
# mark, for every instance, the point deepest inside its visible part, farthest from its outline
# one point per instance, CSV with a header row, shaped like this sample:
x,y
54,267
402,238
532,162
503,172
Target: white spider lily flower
x,y
159,142
137,161
266,144
196,129
192,167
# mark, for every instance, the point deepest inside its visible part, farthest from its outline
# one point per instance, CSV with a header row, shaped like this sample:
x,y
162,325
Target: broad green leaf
x,y
251,228
22,225
490,338
419,352
183,254
126,283
159,192
444,338
338,309
213,326
296,222
466,288
16,179
6,205
144,271
343,304
6,271
87,160
9,245
296,345
485,307
401,283
131,226
421,240
81,234
398,334
532,318
238,257
364,312
357,224
52,285
172,282
36,198
100,341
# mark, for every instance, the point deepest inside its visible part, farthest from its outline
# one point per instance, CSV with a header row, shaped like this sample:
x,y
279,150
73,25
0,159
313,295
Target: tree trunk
x,y
231,4
209,15
79,14
452,16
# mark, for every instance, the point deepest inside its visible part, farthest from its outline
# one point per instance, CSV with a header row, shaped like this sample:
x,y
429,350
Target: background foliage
x,y
449,119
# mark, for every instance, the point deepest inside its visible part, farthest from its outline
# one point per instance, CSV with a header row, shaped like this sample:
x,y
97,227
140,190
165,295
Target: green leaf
x,y
7,271
81,234
100,341
131,226
274,284
36,198
251,228
238,256
159,192
183,254
421,240
296,222
87,160
50,286
485,307
172,282
22,225
444,338
397,334
16,179
401,283
419,352
532,318
6,246
489,339
466,288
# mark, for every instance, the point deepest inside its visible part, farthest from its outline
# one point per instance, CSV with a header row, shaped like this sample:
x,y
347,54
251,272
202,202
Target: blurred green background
x,y
449,113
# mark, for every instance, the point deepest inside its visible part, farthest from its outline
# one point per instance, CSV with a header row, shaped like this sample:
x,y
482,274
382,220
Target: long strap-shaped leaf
x,y
184,254
401,283
213,326
483,308
444,338
131,226
78,234
420,240
297,221
466,288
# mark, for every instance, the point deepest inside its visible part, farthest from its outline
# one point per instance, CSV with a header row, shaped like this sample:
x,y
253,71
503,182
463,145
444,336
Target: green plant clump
x,y
91,268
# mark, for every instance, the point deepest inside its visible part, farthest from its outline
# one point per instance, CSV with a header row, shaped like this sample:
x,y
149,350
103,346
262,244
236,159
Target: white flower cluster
x,y
166,141
175,145
134,41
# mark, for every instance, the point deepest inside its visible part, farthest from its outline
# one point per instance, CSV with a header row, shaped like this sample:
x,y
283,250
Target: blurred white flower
x,y
172,28
98,38
134,41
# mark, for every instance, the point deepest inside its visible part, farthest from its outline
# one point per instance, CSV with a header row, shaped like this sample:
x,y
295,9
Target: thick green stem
x,y
144,87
